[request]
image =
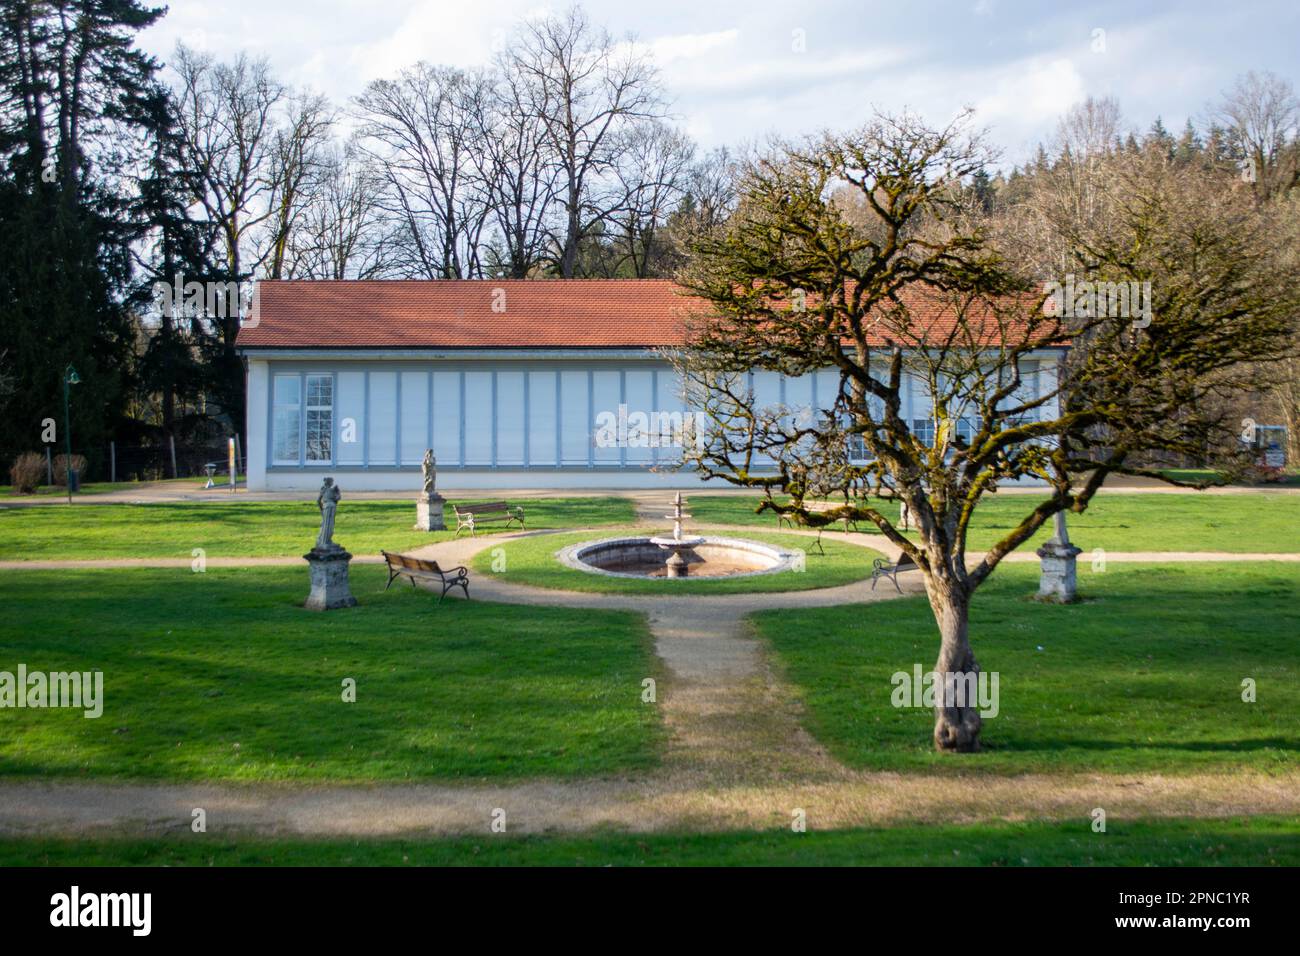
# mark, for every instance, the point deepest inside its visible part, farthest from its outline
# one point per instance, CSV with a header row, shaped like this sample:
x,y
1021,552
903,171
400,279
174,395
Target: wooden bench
x,y
881,568
399,564
471,516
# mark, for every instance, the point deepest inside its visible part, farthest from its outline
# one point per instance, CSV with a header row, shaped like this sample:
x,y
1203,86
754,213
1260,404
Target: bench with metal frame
x,y
883,568
399,564
471,516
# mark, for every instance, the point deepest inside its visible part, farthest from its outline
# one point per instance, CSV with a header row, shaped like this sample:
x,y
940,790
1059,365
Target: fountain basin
x,y
707,557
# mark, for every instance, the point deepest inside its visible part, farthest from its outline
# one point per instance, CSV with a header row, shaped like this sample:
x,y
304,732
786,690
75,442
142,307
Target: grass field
x,y
1259,841
251,529
1259,522
223,676
531,561
1144,676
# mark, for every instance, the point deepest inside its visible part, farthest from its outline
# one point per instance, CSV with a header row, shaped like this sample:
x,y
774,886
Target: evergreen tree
x,y
73,87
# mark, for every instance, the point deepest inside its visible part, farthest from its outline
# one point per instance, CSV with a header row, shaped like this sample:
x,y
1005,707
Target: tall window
x,y
923,429
286,419
320,418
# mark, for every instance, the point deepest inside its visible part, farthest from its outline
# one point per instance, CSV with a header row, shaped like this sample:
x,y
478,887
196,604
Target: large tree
x,y
74,99
914,288
587,93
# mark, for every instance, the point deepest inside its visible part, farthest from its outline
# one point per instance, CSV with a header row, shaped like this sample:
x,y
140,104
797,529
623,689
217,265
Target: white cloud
x,y
686,46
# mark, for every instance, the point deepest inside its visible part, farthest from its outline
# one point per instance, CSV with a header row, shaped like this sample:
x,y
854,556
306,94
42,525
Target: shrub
x,y
61,468
26,472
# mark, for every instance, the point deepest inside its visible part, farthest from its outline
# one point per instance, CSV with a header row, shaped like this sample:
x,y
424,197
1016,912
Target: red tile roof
x,y
458,313
537,314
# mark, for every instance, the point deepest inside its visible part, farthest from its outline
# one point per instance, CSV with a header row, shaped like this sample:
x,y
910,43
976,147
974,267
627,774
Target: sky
x,y
737,72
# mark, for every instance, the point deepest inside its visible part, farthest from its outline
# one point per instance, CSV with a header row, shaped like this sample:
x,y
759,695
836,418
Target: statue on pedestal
x,y
328,561
428,506
1057,580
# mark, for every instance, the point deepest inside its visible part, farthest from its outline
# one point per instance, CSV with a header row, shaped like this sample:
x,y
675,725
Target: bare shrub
x,y
61,468
26,472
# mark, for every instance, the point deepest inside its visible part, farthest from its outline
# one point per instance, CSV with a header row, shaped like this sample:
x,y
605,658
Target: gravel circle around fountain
x,y
549,561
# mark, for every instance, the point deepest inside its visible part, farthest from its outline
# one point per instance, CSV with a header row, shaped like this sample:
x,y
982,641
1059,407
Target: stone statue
x,y
328,561
328,502
429,469
428,504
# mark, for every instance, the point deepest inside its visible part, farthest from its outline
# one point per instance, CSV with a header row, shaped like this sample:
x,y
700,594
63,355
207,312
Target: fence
x,y
117,462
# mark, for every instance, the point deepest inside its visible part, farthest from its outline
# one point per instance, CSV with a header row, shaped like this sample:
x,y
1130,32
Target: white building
x,y
508,381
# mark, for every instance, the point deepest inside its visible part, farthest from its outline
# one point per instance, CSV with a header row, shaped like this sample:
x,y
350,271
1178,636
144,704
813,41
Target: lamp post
x,y
70,378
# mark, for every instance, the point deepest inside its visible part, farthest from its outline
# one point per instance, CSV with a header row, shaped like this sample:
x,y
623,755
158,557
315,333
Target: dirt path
x,y
737,754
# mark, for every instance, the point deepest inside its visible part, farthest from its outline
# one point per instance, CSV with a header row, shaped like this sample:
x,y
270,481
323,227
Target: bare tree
x,y
1262,116
297,167
585,90
343,232
227,115
520,176
650,174
425,130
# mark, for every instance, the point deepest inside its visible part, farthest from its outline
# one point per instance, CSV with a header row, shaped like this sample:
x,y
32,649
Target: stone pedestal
x,y
676,565
428,513
329,579
1057,580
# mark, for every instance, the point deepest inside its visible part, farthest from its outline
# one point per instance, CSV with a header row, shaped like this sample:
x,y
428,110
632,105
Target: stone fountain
x,y
677,566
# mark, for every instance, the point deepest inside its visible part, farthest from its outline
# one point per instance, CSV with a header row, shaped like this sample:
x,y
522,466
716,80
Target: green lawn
x,y
1255,522
532,561
1260,841
1291,477
223,676
251,529
1144,676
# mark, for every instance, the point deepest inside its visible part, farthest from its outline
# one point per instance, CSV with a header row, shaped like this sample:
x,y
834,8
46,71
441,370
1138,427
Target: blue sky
x,y
736,72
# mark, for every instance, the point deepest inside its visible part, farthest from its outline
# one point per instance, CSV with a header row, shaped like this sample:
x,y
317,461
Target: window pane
x,y
577,417
671,418
799,399
605,398
767,390
286,436
446,417
320,418
286,423
320,390
415,416
351,408
320,434
640,406
510,418
541,418
478,418
383,418
286,390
